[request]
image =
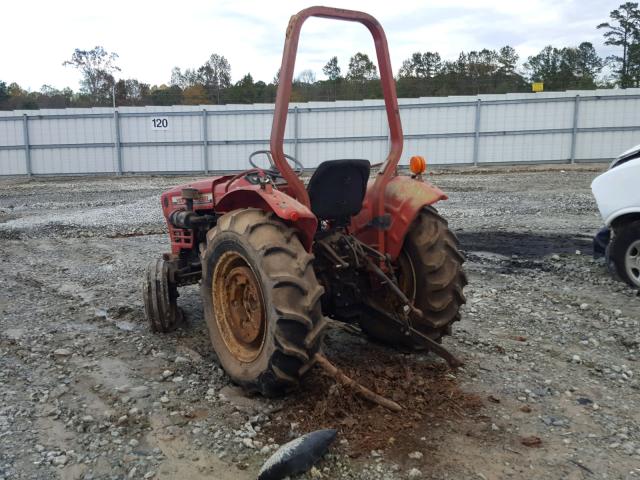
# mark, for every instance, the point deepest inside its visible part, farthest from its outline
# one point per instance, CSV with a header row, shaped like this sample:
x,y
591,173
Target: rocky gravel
x,y
551,343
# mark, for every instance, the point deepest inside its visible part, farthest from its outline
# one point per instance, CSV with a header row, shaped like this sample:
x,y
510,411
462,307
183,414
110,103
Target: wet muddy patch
x,y
423,385
529,245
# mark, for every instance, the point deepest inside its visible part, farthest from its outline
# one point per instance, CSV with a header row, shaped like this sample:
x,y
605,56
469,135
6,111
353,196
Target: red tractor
x,y
274,258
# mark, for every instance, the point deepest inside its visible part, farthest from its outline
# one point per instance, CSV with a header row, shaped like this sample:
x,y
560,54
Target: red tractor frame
x,y
275,257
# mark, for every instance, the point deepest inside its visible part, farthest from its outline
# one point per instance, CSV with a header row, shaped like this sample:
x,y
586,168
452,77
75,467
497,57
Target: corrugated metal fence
x,y
579,126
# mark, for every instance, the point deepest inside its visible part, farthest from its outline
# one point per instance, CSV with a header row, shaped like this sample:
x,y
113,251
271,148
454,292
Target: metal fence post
x,y
205,141
476,137
116,145
574,132
27,147
295,132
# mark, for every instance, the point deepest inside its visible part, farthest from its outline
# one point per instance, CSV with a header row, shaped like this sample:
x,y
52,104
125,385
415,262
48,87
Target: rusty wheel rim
x,y
238,306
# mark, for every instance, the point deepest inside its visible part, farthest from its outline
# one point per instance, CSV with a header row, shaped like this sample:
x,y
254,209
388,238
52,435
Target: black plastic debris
x,y
298,455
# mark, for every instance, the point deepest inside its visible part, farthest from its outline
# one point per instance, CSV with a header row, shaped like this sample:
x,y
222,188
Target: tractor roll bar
x,y
284,93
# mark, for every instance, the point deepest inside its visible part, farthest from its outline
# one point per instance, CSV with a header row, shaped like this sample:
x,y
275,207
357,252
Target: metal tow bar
x,y
435,347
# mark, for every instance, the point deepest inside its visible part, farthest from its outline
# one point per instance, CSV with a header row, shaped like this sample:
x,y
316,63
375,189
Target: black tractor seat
x,y
337,188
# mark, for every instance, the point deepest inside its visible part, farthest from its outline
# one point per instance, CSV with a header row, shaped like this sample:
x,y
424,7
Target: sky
x,y
151,38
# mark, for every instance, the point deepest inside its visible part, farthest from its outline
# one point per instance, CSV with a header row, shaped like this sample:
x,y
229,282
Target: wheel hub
x,y
238,306
632,262
245,306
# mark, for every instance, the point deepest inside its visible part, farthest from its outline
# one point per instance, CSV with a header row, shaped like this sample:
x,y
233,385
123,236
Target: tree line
x,y
422,74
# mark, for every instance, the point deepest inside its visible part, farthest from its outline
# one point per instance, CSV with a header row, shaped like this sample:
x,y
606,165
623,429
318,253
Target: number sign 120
x,y
160,123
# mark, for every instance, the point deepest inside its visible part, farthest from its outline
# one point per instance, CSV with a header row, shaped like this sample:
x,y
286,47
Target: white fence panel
x,y
605,145
510,129
312,154
508,117
12,162
12,132
437,120
156,158
61,131
236,156
512,149
442,150
71,160
609,113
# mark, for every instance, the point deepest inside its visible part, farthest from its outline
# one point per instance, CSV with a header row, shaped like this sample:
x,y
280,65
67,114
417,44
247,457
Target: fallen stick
x,y
336,373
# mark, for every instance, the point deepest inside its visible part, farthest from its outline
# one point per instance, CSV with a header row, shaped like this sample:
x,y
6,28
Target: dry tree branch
x,y
336,373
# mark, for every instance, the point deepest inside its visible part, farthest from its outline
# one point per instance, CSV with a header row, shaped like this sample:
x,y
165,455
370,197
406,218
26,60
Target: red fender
x,y
268,198
404,197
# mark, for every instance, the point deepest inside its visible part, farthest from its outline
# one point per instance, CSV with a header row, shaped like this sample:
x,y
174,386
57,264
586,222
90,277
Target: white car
x,y
617,193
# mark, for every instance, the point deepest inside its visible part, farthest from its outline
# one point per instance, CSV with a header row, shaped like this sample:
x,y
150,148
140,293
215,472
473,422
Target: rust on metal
x,y
404,197
239,306
387,81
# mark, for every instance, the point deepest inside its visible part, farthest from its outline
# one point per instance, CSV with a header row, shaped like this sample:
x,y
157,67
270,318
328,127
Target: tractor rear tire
x,y
261,301
435,265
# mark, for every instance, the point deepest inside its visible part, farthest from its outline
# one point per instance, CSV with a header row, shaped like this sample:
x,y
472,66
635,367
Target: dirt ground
x,y
550,341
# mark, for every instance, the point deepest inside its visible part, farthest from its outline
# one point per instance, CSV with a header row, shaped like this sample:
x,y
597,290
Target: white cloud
x,y
152,37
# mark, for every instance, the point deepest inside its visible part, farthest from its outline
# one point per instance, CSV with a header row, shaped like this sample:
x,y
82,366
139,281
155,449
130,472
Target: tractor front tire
x,y
430,256
160,297
261,301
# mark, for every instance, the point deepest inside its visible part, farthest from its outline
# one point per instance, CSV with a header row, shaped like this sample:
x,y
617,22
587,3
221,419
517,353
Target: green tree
x,y
176,77
215,75
421,65
588,64
97,67
165,95
507,60
632,78
186,79
332,69
194,95
623,31
20,99
132,92
361,68
475,71
4,93
244,90
50,97
333,73
563,68
544,66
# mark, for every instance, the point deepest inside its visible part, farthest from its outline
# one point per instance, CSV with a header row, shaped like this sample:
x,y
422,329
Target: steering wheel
x,y
273,169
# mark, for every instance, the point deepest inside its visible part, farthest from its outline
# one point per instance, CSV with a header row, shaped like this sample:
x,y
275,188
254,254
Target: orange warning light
x,y
417,165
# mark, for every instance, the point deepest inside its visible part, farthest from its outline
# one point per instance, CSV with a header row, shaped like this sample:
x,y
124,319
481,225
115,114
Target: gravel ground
x,y
549,390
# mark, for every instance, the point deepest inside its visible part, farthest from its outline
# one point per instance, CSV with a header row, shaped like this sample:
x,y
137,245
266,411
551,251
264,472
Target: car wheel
x,y
624,253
